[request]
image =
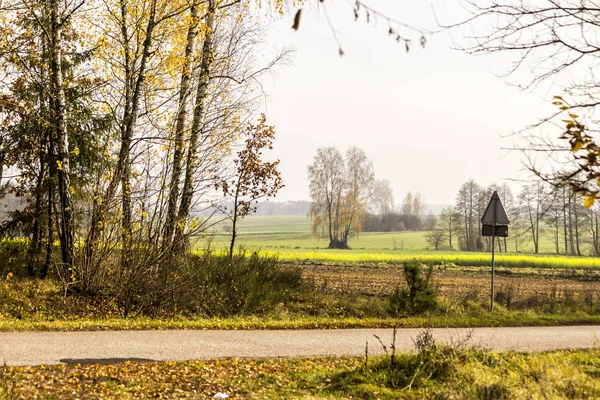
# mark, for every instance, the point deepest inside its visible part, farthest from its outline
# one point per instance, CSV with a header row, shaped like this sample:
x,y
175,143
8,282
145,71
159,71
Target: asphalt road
x,y
36,348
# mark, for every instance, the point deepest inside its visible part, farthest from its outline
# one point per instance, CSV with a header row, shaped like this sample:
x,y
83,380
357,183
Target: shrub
x,y
419,295
245,284
13,254
338,306
505,295
494,391
432,363
205,284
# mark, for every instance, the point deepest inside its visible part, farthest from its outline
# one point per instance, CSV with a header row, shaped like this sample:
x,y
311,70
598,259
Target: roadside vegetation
x,y
258,291
432,371
128,130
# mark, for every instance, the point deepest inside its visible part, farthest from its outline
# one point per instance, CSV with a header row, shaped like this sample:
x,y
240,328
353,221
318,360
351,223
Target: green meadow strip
x,y
461,259
501,318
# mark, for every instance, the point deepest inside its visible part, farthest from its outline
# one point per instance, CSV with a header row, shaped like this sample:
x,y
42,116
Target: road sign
x,y
491,230
494,213
494,223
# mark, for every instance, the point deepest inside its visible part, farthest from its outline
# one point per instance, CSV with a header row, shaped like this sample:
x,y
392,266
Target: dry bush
x,y
208,285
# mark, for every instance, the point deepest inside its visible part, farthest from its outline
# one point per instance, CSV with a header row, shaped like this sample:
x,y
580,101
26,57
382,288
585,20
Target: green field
x,y
293,231
290,237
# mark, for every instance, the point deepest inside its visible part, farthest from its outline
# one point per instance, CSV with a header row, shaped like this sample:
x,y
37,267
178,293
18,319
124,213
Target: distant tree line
x,y
347,199
411,215
540,211
459,226
300,207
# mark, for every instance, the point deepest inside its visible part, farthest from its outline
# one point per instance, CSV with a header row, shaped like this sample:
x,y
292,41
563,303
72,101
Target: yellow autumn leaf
x,y
574,116
575,147
558,97
589,201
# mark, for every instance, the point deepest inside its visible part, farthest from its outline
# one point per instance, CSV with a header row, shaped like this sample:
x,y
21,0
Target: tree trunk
x,y
577,229
597,234
126,222
532,227
122,173
35,245
64,182
233,228
571,242
182,112
2,158
466,232
593,232
556,235
564,203
537,226
129,123
199,110
450,229
52,174
330,222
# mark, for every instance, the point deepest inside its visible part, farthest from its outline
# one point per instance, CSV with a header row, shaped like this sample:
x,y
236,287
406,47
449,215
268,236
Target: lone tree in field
x,y
450,222
436,238
253,178
339,190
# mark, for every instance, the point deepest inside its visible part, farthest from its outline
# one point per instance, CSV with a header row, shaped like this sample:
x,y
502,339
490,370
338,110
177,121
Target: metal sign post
x,y
495,224
493,274
493,255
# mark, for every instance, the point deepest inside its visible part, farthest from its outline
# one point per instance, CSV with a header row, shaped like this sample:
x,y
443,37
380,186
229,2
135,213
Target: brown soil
x,y
454,284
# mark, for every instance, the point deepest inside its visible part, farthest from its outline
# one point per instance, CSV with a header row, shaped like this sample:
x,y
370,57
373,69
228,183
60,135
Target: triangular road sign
x,y
494,213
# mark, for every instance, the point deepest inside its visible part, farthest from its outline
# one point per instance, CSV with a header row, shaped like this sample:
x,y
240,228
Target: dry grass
x,y
473,374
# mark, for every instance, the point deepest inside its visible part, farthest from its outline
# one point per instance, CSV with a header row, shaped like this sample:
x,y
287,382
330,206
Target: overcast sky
x,y
430,119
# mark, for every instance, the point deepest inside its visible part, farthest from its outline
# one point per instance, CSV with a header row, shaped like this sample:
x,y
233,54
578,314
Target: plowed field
x,y
467,283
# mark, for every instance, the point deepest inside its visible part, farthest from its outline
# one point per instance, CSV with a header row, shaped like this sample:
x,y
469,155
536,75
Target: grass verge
x,y
474,374
499,319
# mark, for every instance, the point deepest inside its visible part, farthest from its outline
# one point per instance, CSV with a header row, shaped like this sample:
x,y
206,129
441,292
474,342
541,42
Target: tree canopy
x,y
118,120
340,191
555,47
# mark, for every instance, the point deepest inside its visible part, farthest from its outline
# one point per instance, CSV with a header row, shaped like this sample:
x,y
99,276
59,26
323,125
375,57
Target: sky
x,y
429,119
